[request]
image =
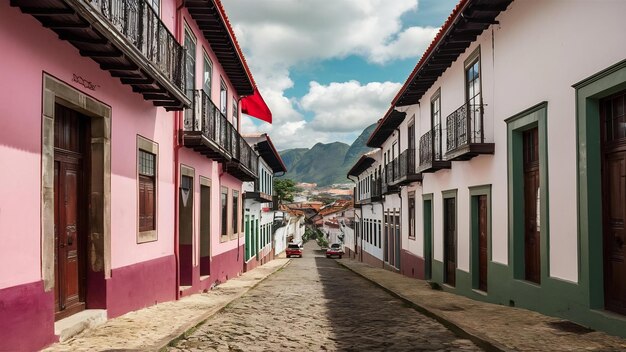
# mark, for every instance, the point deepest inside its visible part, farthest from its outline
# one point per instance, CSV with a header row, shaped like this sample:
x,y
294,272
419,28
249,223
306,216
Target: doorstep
x,y
75,324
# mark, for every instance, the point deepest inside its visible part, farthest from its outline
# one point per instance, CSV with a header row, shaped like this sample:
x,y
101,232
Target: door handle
x,y
70,240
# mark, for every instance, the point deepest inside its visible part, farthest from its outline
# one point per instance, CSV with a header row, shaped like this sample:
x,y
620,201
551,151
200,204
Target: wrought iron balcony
x,y
244,163
465,133
125,37
207,131
374,194
431,156
403,169
389,171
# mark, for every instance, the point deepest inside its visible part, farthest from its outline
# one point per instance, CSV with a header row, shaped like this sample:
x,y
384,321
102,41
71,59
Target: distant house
x,y
259,207
502,164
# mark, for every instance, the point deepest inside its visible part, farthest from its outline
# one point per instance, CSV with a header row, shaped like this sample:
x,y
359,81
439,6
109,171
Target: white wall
x,y
526,59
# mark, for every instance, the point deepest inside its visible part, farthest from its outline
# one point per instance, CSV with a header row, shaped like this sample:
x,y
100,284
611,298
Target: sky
x,y
329,68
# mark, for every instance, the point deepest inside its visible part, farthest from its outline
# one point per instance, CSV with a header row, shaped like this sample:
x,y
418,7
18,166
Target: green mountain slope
x,y
325,164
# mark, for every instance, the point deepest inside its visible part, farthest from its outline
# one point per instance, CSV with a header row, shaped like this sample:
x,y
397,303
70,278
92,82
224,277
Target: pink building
x,y
120,121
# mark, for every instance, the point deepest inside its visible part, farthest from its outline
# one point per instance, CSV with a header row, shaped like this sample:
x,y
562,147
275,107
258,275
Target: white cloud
x,y
278,35
348,106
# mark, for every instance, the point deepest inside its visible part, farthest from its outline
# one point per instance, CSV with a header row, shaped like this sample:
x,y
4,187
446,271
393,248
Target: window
x,y
190,62
412,215
473,95
235,212
380,242
208,75
155,4
235,115
147,152
224,200
223,97
146,190
435,122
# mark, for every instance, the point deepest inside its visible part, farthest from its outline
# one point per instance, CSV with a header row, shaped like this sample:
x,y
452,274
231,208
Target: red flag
x,y
255,106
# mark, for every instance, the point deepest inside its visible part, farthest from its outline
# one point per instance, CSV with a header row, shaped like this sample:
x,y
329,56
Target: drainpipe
x,y
178,123
355,215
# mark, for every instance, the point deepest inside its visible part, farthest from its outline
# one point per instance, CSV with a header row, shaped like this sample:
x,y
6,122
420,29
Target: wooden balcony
x,y
404,170
431,156
258,196
125,37
465,133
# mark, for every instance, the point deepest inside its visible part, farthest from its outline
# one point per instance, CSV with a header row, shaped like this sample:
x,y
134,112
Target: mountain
x,y
325,164
358,148
292,156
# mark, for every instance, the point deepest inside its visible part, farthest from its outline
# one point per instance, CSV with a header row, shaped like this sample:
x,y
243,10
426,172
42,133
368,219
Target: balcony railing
x,y
387,182
403,169
465,133
141,25
126,38
209,132
431,156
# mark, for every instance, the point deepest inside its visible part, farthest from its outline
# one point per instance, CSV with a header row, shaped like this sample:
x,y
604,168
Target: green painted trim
x,y
437,272
588,93
484,190
535,116
451,193
427,216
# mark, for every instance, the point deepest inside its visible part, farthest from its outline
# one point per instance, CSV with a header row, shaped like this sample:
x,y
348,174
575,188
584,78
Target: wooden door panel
x,y
69,212
614,232
482,243
532,221
450,240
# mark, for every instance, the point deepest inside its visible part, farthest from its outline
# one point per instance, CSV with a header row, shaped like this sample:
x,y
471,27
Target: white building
x,y
259,209
506,143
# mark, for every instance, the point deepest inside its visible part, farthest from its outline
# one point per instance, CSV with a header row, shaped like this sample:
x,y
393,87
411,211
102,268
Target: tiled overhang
x,y
385,128
468,20
212,21
116,35
361,165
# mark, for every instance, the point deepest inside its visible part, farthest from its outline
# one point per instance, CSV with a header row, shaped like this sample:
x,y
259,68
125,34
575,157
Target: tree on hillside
x,y
284,188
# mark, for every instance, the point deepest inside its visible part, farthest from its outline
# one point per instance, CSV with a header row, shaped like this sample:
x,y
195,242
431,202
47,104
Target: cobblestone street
x,y
314,304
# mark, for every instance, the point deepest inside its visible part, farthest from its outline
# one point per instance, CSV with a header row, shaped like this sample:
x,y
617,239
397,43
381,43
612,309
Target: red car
x,y
334,251
293,249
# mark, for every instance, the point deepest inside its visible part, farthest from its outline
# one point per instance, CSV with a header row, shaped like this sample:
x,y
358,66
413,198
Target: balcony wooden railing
x,y
403,169
126,38
209,132
431,156
465,133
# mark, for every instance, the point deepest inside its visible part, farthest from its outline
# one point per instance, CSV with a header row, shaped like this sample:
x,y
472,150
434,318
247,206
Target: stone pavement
x,y
492,326
316,305
154,327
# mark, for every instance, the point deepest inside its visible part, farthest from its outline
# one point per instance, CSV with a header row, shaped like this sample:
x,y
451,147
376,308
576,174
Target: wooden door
x,y
428,236
482,243
614,201
69,211
532,253
449,241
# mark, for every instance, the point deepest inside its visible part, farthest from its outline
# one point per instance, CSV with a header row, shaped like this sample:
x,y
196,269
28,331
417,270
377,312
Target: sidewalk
x,y
154,327
490,326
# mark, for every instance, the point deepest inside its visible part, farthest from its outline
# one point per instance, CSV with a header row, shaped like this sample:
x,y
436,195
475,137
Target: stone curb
x,y
188,329
476,337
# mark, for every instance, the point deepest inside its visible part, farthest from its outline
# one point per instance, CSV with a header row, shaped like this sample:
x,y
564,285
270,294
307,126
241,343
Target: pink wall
x,y
218,71
35,50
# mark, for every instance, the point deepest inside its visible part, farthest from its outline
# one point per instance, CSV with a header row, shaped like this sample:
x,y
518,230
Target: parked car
x,y
334,250
293,249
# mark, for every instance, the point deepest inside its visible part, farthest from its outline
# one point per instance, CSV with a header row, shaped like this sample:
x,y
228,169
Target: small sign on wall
x,y
83,82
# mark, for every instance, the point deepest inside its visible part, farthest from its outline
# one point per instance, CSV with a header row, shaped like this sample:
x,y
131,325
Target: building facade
x,y
509,140
127,188
259,203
